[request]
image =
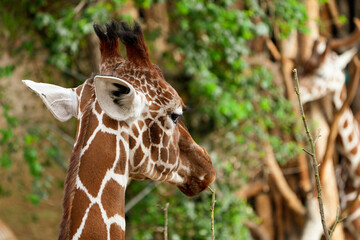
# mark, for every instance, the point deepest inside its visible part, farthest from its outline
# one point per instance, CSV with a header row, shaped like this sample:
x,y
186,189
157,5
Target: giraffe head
x,y
131,95
324,73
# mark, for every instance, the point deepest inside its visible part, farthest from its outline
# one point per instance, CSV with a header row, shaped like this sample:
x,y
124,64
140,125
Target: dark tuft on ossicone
x,y
109,33
129,35
109,42
100,32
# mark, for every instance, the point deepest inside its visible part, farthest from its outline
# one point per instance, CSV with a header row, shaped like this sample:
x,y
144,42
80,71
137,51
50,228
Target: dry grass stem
x,y
212,213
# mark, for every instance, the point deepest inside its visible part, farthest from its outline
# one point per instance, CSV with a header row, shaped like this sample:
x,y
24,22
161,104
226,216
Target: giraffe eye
x,y
174,117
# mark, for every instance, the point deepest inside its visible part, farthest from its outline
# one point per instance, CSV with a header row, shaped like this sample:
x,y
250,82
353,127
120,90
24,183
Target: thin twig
x,y
317,136
313,157
165,209
212,212
140,196
337,220
307,151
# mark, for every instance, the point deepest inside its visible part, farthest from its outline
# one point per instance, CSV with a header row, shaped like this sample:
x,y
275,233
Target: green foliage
x,y
6,71
65,30
11,143
230,93
285,15
238,106
189,218
342,19
289,15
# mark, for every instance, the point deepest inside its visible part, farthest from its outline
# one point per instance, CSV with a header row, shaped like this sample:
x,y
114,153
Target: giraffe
x,y
129,126
329,78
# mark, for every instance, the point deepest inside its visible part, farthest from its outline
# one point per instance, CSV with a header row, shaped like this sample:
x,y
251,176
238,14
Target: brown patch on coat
x,y
98,108
154,107
155,133
132,142
146,138
141,124
354,150
351,137
80,203
125,135
95,227
120,167
87,95
172,154
116,232
154,153
138,156
96,161
113,199
109,122
165,140
78,89
135,130
93,123
164,155
154,114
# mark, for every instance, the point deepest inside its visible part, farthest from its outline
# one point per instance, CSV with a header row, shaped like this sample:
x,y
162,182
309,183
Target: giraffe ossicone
x,y
128,127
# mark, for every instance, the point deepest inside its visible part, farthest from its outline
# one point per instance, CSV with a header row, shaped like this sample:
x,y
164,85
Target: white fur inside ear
x,y
62,102
121,106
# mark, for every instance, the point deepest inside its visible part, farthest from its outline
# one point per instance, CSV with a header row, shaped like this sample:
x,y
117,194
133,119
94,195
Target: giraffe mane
x,y
73,170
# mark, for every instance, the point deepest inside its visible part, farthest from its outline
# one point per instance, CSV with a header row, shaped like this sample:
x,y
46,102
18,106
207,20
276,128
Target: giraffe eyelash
x,y
174,117
186,109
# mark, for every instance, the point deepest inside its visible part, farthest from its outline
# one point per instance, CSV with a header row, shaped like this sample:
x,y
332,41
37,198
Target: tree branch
x,y
140,196
286,192
313,157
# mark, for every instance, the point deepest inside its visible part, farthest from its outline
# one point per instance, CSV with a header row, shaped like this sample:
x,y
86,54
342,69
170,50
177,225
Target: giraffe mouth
x,y
195,186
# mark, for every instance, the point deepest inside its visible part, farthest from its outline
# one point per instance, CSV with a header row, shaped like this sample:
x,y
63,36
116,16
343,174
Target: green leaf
x,y
34,199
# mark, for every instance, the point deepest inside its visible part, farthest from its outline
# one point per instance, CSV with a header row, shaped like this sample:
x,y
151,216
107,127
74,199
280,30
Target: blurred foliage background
x,y
203,48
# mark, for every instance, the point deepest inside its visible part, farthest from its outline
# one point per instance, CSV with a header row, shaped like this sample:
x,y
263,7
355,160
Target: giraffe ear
x,y
346,57
118,98
62,102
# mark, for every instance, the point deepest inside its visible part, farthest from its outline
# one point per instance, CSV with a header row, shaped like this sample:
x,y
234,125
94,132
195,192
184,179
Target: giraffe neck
x,y
94,202
348,136
348,140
